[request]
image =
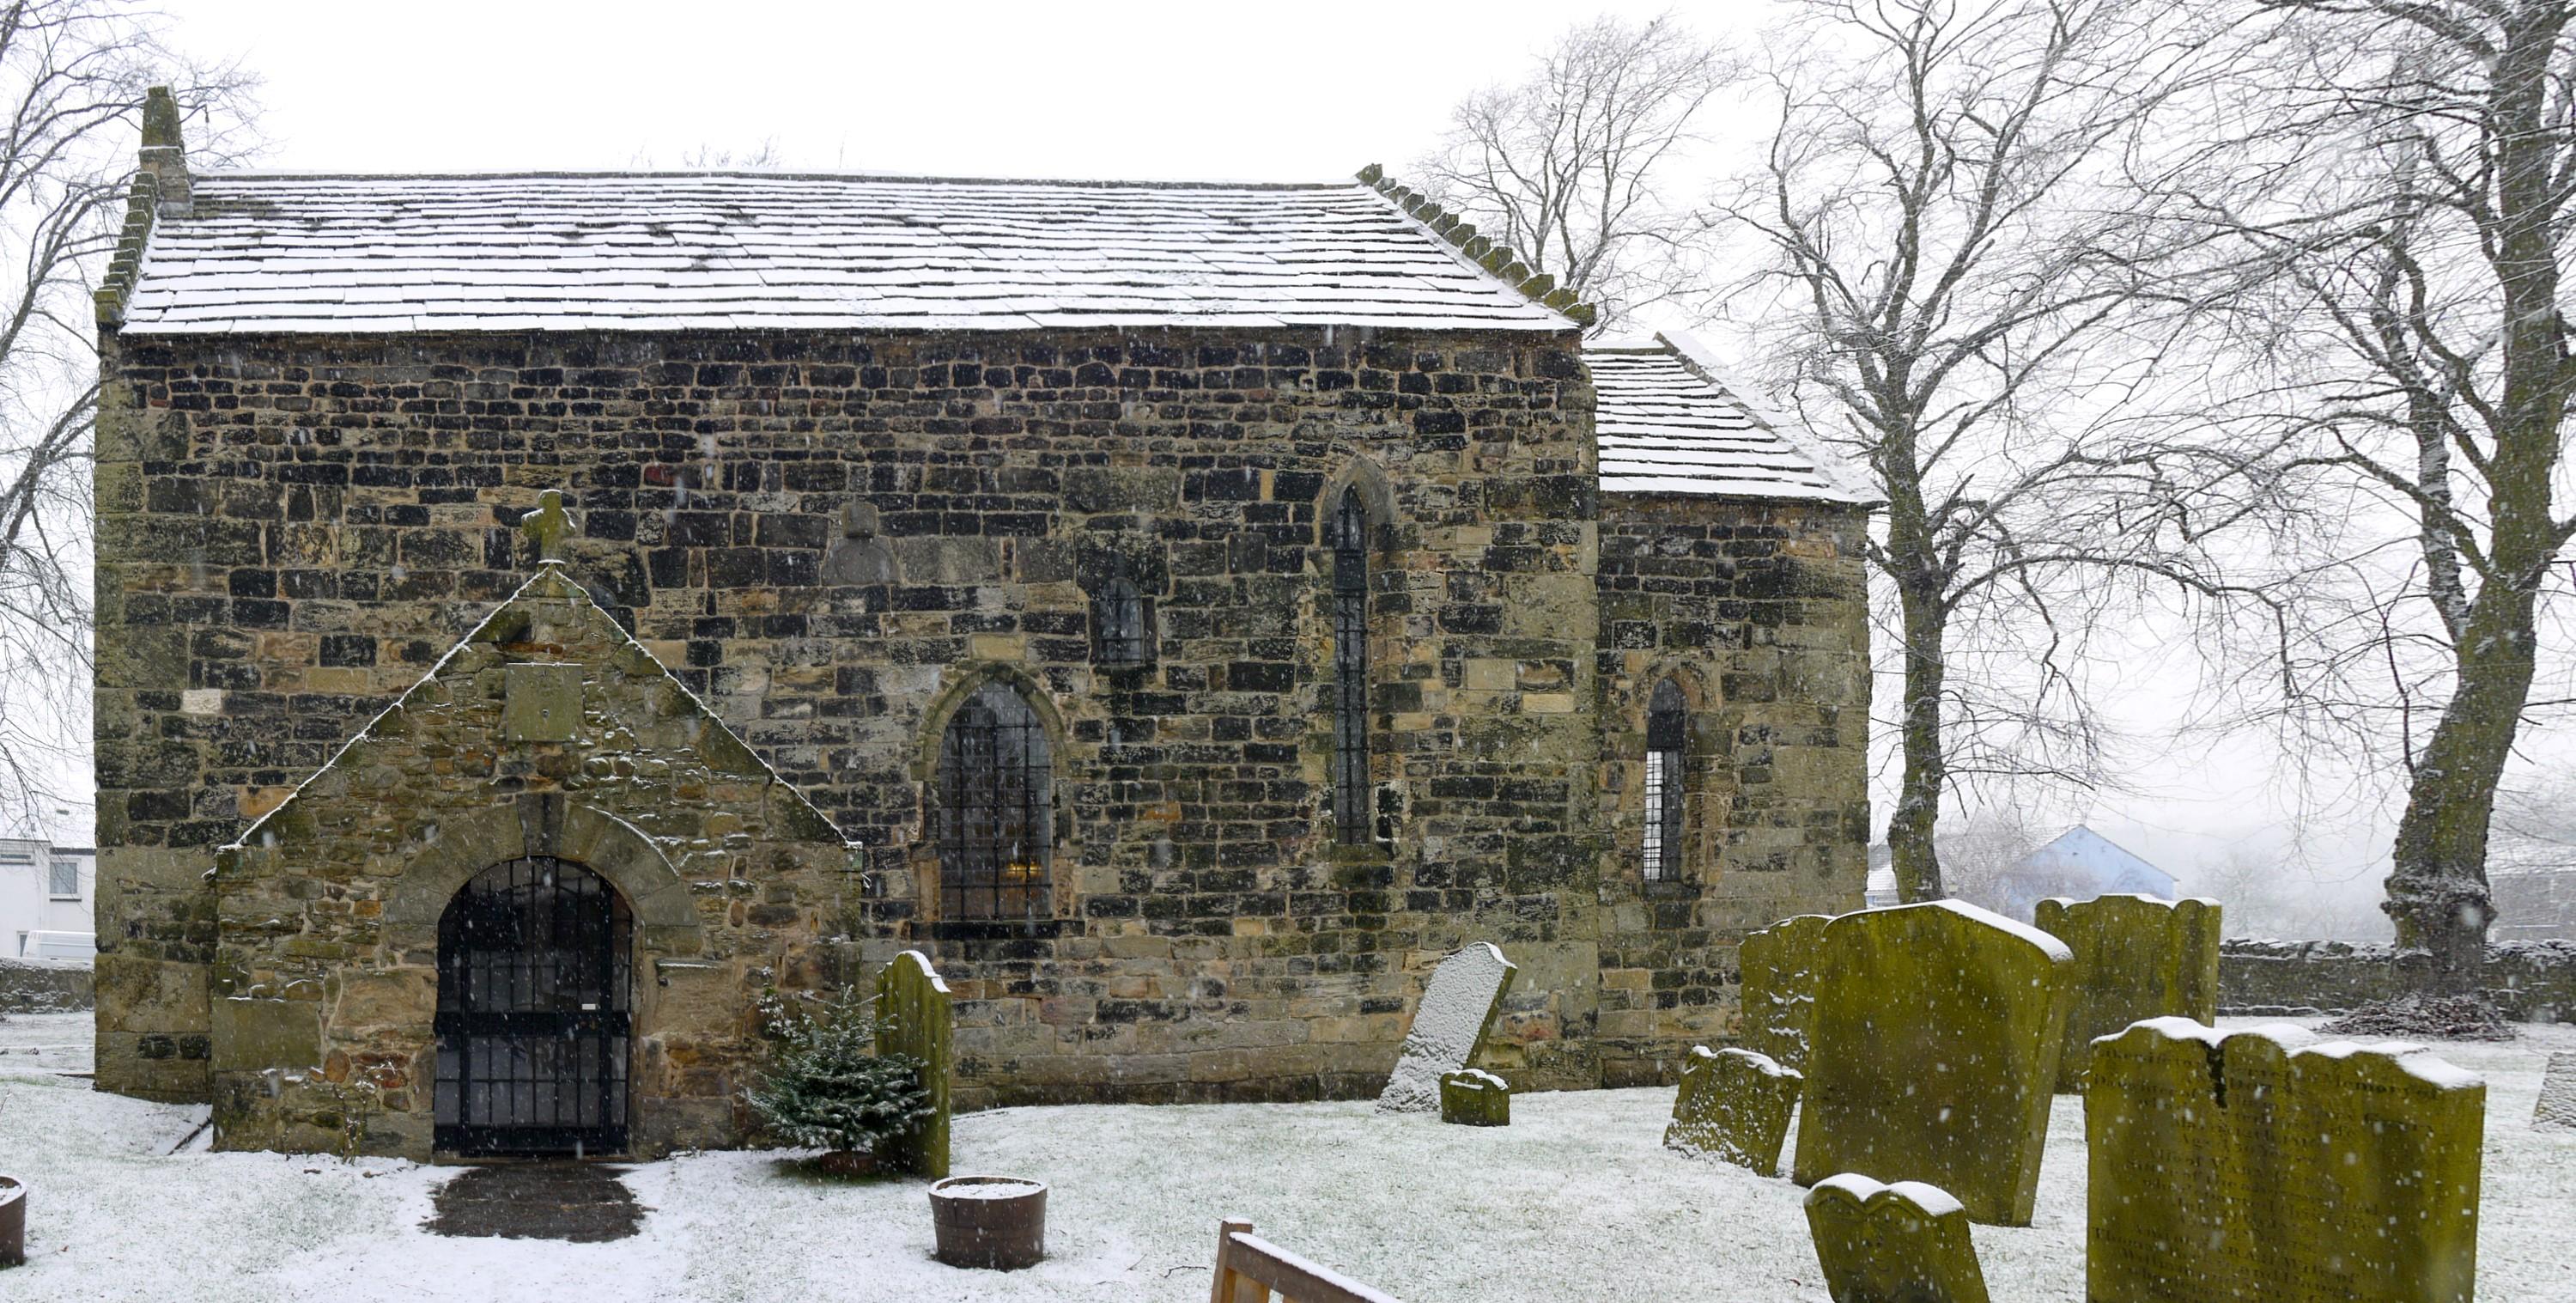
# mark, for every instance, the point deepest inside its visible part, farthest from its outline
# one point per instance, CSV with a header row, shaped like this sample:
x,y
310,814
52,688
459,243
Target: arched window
x,y
996,819
1350,670
1667,725
1122,621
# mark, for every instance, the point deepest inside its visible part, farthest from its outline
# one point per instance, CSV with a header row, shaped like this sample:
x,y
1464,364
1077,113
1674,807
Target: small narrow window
x,y
1122,622
1350,670
996,821
1667,724
65,879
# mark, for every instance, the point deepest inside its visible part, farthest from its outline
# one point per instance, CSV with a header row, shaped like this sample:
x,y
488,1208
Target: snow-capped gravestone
x,y
2135,957
2557,1106
1734,1104
913,1018
1901,1243
1778,968
1458,1004
1475,1098
2260,1165
1933,1053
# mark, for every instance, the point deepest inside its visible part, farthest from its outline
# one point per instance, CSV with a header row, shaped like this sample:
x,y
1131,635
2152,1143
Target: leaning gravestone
x,y
1933,1053
913,1018
1901,1243
1778,965
2258,1165
1475,1098
1458,1004
2557,1106
2135,957
1734,1104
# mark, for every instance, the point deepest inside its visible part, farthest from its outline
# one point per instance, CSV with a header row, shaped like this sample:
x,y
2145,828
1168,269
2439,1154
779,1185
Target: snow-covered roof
x,y
1670,419
669,251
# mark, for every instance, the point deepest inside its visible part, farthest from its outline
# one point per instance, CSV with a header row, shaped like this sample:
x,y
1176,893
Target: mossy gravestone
x,y
2557,1106
2257,1165
1901,1243
2135,957
1734,1104
1458,1004
913,1018
1933,1052
1475,1098
1778,967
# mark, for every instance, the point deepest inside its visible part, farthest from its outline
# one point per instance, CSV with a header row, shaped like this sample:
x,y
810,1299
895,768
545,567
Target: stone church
x,y
540,614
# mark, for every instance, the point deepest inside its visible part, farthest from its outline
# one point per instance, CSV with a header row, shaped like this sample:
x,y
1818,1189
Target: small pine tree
x,y
826,1086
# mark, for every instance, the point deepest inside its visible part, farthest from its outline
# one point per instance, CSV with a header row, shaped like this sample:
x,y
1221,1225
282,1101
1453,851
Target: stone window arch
x,y
993,811
1667,778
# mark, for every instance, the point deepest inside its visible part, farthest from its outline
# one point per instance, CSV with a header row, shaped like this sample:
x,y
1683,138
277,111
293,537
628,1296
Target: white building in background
x,y
46,894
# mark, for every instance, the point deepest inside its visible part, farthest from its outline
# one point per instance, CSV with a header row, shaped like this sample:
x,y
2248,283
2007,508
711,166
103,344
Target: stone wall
x,y
2532,981
832,539
44,985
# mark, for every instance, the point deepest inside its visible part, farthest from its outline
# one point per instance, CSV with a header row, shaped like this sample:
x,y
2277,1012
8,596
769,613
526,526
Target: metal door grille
x,y
1667,727
1350,671
533,1027
995,817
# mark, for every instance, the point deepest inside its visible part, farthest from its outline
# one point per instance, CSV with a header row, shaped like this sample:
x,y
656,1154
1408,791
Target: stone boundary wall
x,y
45,985
2533,981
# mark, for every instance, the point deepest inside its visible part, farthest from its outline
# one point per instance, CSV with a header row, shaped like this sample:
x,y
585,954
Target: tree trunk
x,y
1918,794
2437,893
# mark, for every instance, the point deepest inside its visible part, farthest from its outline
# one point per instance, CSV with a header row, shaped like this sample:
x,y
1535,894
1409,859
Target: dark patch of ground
x,y
581,1202
2464,1018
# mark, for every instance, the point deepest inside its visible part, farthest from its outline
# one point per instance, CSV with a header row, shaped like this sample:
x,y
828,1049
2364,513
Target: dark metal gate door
x,y
533,975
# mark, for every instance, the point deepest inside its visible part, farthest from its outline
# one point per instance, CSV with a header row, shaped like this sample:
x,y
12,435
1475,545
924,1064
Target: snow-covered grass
x,y
1575,1201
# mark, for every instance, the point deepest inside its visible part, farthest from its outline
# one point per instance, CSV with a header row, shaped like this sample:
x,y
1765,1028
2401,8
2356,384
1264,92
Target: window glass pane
x,y
1667,727
995,821
66,878
1654,857
1350,671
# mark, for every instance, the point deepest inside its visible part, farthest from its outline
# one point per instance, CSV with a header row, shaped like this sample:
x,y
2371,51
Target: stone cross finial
x,y
547,525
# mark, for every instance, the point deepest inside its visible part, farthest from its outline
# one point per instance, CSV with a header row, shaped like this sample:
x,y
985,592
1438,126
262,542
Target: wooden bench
x,y
1250,1269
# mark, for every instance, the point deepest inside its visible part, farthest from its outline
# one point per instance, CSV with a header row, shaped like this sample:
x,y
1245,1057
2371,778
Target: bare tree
x,y
1972,291
73,75
1569,165
2404,197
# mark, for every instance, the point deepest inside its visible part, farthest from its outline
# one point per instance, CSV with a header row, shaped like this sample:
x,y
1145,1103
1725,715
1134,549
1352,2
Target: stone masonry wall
x,y
44,985
2533,981
832,539
1758,612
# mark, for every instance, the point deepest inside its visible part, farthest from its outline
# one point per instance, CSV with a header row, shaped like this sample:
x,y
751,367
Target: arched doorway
x,y
534,974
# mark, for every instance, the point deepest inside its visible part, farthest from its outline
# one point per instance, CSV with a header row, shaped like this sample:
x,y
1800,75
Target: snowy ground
x,y
1576,1201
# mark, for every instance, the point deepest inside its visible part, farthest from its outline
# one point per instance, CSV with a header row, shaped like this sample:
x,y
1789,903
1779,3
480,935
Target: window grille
x,y
995,818
1350,671
534,977
64,878
1667,725
1122,623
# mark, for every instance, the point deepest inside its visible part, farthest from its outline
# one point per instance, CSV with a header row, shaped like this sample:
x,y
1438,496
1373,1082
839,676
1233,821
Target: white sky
x,y
1302,92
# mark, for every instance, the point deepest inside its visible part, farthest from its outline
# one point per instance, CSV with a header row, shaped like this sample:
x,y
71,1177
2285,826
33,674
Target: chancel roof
x,y
1669,419
668,251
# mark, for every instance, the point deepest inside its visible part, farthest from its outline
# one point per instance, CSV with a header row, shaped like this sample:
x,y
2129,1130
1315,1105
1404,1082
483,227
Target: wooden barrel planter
x,y
994,1222
13,1222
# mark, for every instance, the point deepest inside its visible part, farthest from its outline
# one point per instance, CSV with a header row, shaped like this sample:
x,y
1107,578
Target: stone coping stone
x,y
2263,1164
1902,1243
1934,1053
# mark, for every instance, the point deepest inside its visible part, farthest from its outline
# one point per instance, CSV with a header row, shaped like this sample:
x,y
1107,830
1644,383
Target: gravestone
x,y
2259,1165
1901,1243
1933,1051
1475,1098
1778,967
913,1018
1458,1004
1734,1104
2135,957
2557,1106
